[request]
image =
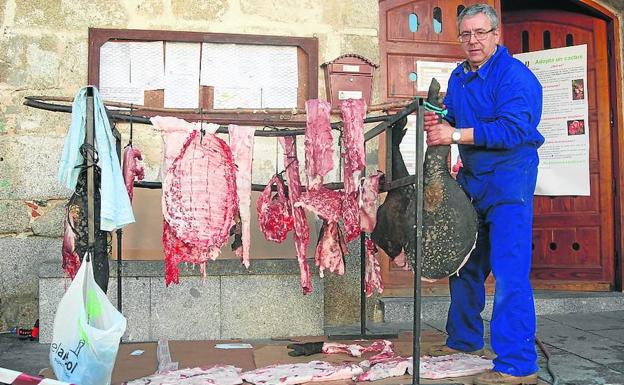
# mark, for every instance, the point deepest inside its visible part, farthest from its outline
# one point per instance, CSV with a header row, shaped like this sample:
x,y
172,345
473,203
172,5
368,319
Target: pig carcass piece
x,y
132,168
302,230
241,144
275,216
353,152
318,142
327,204
382,347
394,230
372,275
331,247
291,374
199,202
218,374
369,191
450,221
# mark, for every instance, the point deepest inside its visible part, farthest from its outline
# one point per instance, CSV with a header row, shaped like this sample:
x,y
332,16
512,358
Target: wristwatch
x,y
456,136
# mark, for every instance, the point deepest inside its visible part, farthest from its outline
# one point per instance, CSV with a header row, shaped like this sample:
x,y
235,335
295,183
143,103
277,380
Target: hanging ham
x,y
241,144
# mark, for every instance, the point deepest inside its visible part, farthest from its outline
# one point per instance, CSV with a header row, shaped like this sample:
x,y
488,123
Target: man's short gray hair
x,y
472,10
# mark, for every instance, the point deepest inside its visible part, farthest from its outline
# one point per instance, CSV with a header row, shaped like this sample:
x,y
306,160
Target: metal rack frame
x,y
386,123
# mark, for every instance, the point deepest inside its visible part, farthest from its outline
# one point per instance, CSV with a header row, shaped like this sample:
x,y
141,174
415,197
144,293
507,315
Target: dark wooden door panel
x,y
573,236
434,40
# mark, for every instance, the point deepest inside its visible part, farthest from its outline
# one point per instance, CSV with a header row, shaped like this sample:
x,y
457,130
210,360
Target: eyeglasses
x,y
464,37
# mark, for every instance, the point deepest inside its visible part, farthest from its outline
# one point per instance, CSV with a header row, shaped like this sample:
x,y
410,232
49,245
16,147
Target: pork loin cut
x,y
318,142
274,212
302,230
241,144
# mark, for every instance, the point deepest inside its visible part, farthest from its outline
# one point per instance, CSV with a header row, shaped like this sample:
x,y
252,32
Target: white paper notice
x,y
279,97
247,65
230,98
564,157
114,65
131,95
115,75
426,70
182,75
147,65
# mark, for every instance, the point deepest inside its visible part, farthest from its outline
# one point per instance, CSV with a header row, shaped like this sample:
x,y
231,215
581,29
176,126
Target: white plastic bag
x,y
87,329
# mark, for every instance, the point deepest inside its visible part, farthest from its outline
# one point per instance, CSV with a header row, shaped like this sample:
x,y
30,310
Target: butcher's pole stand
x,y
418,242
90,156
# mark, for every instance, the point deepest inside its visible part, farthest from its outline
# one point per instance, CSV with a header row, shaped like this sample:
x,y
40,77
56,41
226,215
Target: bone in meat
x,y
199,201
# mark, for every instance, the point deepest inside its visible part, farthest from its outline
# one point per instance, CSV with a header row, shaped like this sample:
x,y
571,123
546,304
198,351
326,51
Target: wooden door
x,y
434,39
573,236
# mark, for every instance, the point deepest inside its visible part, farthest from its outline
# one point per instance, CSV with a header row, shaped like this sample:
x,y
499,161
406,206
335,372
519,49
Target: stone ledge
x,y
220,267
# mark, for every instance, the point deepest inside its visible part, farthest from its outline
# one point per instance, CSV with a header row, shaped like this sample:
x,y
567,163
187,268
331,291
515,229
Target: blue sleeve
x,y
450,114
517,112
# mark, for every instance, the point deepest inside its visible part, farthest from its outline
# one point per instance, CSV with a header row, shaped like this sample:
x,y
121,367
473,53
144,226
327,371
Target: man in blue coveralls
x,y
494,105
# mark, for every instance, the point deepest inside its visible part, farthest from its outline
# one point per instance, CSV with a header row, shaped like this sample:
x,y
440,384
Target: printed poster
x,y
564,156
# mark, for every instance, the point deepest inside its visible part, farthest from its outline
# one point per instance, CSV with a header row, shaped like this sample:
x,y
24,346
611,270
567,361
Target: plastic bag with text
x,y
87,330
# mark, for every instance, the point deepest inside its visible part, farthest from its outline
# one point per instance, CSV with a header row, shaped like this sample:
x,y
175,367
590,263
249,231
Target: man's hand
x,y
438,131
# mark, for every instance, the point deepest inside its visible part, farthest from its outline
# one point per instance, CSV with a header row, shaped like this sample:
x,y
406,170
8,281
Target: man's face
x,y
478,51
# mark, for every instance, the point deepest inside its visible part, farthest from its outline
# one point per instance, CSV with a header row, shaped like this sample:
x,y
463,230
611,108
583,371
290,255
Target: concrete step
x,y
401,309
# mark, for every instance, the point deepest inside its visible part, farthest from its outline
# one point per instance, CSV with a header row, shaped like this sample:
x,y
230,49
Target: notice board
x,y
225,78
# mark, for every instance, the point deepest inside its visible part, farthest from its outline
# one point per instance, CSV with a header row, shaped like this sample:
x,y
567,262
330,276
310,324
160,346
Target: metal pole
x,y
90,141
362,278
418,234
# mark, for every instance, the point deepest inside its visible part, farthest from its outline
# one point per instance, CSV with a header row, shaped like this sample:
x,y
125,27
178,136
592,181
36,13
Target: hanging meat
x,y
330,250
318,141
274,212
132,168
302,230
241,144
199,202
449,219
353,112
394,230
369,190
372,277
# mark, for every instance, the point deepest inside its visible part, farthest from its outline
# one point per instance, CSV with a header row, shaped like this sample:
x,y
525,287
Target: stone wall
x,y
43,51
